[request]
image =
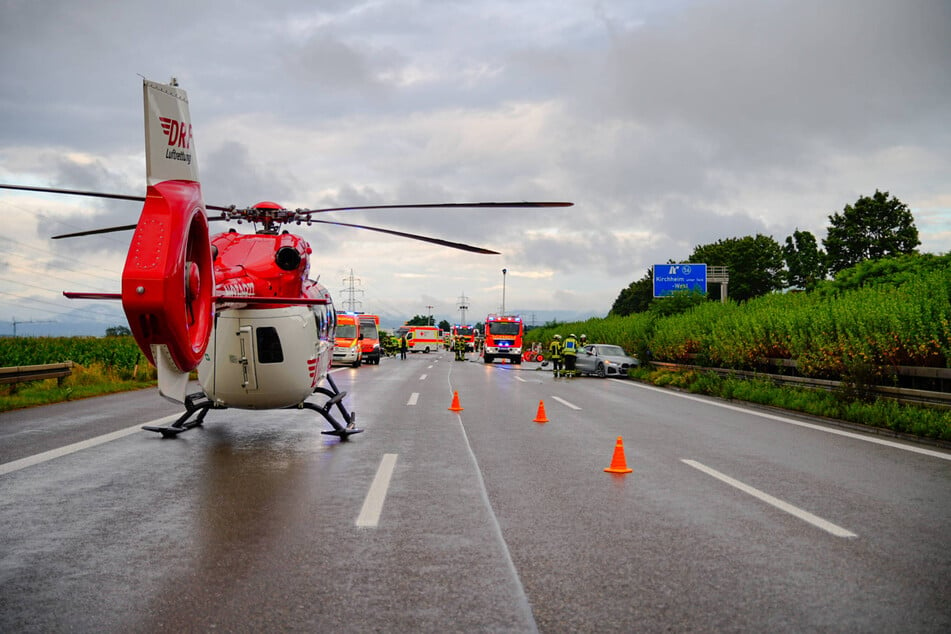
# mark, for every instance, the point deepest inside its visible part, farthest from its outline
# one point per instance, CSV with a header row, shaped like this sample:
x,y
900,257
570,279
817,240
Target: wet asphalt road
x,y
730,521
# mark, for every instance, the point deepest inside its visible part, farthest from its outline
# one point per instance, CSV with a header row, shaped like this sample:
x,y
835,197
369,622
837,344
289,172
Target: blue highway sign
x,y
670,278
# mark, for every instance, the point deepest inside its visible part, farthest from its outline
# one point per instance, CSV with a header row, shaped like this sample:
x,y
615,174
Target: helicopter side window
x,y
326,323
319,313
269,345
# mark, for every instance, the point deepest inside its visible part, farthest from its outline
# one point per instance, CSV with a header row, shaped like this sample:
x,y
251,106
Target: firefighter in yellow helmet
x,y
554,354
570,350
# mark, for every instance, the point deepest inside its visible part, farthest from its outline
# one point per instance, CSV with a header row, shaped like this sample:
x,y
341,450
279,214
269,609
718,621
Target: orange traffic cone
x,y
618,463
455,407
540,416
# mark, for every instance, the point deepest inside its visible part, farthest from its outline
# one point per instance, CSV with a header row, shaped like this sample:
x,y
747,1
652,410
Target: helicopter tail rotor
x,y
168,282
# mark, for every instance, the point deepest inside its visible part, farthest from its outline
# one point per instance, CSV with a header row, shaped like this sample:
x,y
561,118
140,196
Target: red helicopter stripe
x,y
221,299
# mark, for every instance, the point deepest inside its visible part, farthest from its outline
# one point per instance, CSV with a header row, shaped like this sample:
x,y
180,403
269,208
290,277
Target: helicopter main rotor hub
x,y
270,215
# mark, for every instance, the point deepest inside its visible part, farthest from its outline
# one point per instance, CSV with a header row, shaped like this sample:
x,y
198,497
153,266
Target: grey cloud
x,y
678,122
235,176
752,74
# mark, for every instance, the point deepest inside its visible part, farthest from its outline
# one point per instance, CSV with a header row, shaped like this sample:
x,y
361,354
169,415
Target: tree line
x,y
872,228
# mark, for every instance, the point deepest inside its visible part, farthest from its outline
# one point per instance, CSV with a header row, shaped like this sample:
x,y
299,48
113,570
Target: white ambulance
x,y
423,339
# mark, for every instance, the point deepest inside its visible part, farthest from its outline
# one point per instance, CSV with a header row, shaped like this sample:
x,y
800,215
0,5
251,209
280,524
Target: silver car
x,y
604,360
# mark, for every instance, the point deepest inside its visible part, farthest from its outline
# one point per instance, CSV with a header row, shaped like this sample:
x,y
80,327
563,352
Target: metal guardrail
x,y
900,394
24,373
900,370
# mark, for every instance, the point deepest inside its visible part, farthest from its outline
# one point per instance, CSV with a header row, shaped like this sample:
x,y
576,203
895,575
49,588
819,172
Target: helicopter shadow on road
x,y
265,486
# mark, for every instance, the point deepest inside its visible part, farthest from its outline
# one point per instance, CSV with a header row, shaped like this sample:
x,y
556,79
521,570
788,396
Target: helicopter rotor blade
x,y
229,214
78,192
93,232
73,192
490,205
413,236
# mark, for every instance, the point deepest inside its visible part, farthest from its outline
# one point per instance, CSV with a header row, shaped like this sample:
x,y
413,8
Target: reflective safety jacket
x,y
554,349
570,346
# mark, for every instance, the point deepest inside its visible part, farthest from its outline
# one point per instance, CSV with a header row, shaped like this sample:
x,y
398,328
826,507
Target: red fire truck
x,y
468,335
503,338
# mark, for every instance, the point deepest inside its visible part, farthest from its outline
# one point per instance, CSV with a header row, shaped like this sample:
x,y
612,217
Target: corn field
x,y
878,326
120,353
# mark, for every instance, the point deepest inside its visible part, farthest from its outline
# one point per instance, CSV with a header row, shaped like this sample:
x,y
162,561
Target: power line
x,y
61,262
35,265
29,321
87,315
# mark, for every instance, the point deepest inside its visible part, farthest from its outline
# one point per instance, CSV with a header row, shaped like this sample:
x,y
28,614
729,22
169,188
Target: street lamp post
x,y
504,271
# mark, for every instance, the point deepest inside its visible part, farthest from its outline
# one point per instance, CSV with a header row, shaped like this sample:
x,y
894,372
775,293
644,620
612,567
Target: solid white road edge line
x,y
566,403
29,461
795,511
413,398
373,504
783,419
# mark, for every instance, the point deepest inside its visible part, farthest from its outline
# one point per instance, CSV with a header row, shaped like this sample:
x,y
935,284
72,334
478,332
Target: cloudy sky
x,y
669,124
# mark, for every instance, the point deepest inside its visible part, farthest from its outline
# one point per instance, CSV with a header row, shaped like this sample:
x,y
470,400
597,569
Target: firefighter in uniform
x,y
460,347
571,354
582,340
554,353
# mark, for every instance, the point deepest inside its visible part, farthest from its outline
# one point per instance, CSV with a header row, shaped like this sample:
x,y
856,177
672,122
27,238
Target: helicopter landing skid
x,y
196,402
334,397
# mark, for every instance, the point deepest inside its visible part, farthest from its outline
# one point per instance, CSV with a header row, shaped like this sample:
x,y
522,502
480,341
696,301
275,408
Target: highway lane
x,y
28,432
489,520
250,523
670,547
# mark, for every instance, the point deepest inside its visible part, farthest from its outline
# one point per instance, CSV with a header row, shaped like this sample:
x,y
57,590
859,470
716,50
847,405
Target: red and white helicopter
x,y
238,307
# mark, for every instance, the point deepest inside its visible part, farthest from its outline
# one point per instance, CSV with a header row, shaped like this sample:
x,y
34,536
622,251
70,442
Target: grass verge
x,y
84,382
923,422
